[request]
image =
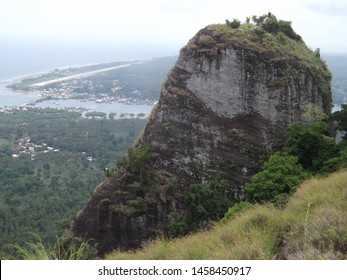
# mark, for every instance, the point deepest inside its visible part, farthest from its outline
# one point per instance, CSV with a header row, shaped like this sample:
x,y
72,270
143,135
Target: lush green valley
x,y
50,162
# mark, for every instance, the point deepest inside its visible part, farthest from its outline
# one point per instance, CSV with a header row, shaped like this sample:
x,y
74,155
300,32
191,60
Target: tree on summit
x,y
270,24
233,24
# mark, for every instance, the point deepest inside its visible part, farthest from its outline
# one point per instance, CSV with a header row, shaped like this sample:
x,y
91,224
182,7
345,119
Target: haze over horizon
x,y
69,32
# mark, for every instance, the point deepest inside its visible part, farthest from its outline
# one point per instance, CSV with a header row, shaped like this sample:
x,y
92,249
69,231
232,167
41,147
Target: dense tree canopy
x,y
41,190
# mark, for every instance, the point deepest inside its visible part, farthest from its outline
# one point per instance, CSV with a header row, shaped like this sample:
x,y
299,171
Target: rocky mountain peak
x,y
222,111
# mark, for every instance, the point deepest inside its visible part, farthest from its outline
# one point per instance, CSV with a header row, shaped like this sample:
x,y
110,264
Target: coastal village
x,y
85,86
90,84
83,90
26,147
60,86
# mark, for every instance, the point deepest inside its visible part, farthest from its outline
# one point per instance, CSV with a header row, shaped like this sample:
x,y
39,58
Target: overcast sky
x,y
166,23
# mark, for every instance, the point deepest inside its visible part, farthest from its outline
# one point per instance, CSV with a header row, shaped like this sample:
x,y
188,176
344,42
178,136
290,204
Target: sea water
x,y
20,59
10,98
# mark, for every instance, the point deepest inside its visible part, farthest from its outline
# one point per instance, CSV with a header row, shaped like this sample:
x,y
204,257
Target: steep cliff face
x,y
223,109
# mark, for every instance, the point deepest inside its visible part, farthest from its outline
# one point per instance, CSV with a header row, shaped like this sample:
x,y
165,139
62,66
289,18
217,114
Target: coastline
x,y
37,97
15,98
81,75
18,79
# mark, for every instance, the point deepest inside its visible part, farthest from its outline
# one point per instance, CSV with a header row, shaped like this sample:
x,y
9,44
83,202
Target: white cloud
x,y
327,7
162,21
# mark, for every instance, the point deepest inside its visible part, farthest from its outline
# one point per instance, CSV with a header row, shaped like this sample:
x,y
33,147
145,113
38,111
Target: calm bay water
x,y
107,108
12,98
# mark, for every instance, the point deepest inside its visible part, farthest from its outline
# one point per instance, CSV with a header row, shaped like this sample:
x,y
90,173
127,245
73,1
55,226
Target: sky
x,y
163,26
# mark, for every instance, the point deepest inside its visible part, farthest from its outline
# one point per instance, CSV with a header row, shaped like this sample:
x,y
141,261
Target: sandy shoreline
x,y
82,75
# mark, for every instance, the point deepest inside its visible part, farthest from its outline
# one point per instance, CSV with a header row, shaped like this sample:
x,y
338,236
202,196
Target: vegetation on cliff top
x,y
272,42
266,41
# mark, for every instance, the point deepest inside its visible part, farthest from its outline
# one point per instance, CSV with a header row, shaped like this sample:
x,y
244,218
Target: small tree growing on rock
x,y
233,24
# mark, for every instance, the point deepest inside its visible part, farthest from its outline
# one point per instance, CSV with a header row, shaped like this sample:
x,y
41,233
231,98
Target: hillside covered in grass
x,y
313,225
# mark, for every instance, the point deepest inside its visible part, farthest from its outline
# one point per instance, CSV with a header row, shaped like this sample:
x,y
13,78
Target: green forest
x,y
50,162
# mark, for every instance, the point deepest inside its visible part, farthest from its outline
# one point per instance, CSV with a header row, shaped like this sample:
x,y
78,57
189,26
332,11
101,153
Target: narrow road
x,y
82,75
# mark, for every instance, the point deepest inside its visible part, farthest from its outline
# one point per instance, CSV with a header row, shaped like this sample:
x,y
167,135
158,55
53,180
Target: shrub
x,y
310,144
281,174
337,162
203,203
236,209
206,41
270,24
177,228
286,28
208,202
234,24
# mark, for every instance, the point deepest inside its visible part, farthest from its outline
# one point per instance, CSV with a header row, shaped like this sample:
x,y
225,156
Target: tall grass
x,y
72,249
33,250
313,225
63,249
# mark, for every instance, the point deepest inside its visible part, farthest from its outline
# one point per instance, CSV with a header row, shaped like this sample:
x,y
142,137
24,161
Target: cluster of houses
x,y
26,147
10,110
66,90
85,90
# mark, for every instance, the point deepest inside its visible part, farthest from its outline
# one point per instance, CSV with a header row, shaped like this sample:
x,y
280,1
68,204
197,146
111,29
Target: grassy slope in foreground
x,y
313,225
